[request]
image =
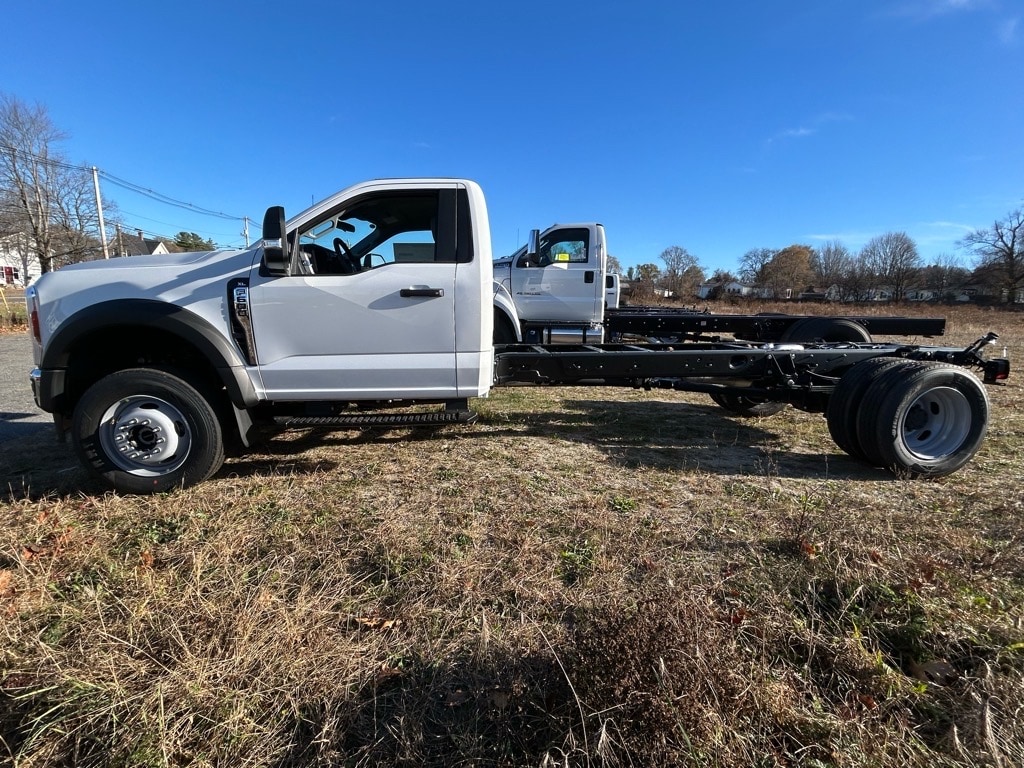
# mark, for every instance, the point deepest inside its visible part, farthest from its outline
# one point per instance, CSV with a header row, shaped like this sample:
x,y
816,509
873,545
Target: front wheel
x,y
145,431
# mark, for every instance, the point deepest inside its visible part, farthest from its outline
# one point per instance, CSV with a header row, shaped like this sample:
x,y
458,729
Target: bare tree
x,y
648,273
722,276
753,263
682,274
893,259
943,276
613,266
47,199
831,263
1000,253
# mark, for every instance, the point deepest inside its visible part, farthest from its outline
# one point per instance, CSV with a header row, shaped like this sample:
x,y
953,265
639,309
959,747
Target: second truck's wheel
x,y
846,398
923,419
747,406
144,431
828,329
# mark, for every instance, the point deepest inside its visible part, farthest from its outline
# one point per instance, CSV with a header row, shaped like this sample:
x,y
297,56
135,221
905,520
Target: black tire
x,y
827,329
751,407
144,430
846,398
923,419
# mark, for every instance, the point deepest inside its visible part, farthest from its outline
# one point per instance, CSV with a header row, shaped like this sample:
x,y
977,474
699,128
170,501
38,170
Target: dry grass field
x,y
585,577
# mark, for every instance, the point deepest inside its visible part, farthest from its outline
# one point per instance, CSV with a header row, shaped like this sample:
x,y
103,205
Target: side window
x,y
564,246
378,230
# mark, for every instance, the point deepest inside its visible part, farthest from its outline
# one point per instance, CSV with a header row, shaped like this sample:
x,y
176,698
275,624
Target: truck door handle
x,y
588,276
430,293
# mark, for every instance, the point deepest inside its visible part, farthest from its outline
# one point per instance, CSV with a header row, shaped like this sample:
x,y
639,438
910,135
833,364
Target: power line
x,y
129,185
166,199
137,189
171,224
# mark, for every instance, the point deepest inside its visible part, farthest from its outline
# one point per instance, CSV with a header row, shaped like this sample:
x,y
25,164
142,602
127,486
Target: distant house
x,y
984,293
813,293
124,244
767,292
717,289
880,293
921,294
18,263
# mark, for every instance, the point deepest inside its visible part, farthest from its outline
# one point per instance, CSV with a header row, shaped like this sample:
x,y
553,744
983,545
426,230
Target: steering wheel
x,y
346,255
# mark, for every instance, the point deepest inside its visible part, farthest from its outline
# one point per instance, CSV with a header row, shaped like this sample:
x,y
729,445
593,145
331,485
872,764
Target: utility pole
x,y
245,230
99,210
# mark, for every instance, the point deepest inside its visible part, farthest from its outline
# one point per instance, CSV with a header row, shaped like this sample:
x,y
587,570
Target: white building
x,y
18,264
721,290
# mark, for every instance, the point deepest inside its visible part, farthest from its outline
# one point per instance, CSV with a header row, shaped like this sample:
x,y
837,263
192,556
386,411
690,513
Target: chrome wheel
x,y
937,423
145,435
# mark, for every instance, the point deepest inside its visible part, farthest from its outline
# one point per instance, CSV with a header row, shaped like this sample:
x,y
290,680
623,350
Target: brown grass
x,y
13,315
585,577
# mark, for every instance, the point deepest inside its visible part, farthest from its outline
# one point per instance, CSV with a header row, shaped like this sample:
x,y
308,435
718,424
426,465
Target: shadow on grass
x,y
655,435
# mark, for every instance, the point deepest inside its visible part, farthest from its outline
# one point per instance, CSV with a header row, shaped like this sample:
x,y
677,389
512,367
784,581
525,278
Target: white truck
x,y
556,289
375,307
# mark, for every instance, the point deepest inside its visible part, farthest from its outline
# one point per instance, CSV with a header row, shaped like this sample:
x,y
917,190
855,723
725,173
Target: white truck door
x,y
565,282
375,316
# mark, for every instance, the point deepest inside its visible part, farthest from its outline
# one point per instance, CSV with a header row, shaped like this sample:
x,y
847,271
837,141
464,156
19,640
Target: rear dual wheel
x,y
922,419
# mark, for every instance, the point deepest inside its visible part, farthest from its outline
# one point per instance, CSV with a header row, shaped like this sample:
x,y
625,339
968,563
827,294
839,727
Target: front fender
x,y
503,303
143,313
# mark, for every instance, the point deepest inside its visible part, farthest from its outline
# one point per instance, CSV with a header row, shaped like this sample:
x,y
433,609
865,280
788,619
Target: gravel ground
x,y
19,415
32,462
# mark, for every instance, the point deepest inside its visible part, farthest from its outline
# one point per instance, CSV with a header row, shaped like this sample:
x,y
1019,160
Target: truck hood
x,y
175,260
194,281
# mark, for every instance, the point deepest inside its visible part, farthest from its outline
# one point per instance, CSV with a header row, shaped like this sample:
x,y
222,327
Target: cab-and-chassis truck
x,y
375,307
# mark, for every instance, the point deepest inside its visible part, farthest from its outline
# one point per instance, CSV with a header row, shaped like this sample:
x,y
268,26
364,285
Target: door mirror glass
x,y
274,251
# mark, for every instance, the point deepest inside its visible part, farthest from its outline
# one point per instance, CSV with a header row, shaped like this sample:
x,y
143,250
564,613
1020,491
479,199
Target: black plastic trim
x,y
211,344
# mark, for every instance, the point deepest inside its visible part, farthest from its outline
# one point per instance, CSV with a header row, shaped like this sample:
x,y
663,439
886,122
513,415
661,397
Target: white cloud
x,y
797,133
1008,30
803,131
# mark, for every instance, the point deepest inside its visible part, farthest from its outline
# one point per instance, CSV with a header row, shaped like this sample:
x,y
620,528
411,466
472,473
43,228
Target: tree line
x,y
48,208
888,267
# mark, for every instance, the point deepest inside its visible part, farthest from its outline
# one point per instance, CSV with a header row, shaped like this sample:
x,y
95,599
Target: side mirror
x,y
529,258
533,245
275,257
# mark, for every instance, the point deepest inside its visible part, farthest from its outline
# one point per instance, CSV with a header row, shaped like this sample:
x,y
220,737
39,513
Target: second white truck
x,y
557,289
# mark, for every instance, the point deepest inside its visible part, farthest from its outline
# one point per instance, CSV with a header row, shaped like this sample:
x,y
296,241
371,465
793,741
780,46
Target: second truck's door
x,y
564,282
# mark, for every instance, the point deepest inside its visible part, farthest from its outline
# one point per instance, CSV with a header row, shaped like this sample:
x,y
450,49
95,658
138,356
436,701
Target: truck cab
x,y
555,285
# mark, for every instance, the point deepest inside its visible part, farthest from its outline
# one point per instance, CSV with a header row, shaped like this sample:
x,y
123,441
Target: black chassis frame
x,y
801,374
689,324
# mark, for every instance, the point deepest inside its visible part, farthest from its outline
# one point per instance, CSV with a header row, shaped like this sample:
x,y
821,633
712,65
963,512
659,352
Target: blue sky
x,y
719,127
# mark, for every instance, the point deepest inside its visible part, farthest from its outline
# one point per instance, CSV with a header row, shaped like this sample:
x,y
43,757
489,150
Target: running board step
x,y
366,420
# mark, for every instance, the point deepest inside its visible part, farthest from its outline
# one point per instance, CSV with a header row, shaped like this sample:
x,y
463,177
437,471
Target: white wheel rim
x,y
937,423
145,436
